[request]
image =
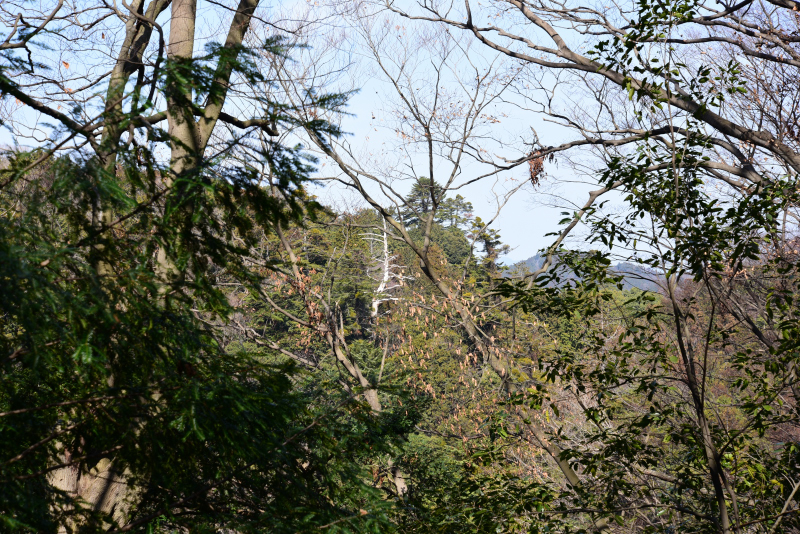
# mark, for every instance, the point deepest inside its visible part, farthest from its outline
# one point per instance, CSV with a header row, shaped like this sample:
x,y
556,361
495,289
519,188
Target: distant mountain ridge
x,y
635,276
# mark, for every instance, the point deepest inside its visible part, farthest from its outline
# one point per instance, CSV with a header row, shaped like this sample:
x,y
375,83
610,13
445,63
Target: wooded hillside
x,y
223,312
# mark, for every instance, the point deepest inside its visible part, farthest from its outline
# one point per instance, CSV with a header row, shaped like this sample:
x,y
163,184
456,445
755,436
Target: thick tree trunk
x,y
180,116
102,487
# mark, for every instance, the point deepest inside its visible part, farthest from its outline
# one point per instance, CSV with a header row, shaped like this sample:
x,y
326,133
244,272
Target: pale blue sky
x,y
523,221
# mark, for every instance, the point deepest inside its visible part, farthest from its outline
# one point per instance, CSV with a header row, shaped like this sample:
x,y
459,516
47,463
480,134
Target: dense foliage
x,y
191,342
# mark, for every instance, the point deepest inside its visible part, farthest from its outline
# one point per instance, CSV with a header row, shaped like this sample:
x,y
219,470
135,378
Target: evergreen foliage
x,y
195,344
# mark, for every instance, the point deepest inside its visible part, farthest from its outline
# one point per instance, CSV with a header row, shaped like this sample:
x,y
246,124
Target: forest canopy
x,y
198,335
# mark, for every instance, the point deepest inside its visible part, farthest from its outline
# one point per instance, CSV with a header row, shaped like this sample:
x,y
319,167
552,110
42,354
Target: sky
x,y
523,222
526,218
